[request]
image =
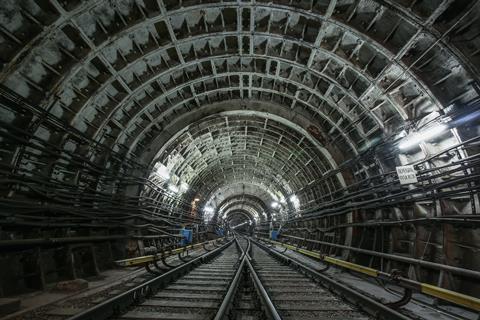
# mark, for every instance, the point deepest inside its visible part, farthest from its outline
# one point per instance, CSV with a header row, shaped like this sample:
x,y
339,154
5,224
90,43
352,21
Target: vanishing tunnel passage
x,y
146,142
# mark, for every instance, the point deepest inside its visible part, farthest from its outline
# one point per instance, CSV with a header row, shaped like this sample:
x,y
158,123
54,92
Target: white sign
x,y
407,174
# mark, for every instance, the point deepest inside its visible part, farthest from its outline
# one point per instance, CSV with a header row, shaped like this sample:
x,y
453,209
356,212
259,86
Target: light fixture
x,y
295,201
173,188
183,187
424,135
275,204
208,209
162,171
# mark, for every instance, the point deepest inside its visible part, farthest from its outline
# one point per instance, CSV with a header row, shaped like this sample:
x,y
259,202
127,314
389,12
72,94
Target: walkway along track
x,y
244,281
126,302
69,304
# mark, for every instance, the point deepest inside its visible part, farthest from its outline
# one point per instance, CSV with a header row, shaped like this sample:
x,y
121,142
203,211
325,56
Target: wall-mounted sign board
x,y
406,174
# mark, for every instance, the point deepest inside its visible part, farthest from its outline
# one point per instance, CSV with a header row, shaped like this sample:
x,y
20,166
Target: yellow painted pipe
x,y
452,296
145,259
352,266
431,290
338,262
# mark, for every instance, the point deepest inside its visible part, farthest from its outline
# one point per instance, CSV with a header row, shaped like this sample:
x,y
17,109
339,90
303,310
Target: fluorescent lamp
x,y
295,201
183,187
208,209
424,135
162,171
173,188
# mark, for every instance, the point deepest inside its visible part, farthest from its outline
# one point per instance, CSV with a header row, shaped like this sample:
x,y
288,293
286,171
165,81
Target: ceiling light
x,y
162,171
173,188
416,138
295,201
183,187
208,209
275,204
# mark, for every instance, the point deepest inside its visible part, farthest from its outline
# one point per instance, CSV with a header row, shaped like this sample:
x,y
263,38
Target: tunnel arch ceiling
x,y
119,71
95,93
247,152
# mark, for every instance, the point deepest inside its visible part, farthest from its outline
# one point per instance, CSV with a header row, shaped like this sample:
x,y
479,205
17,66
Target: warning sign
x,y
407,174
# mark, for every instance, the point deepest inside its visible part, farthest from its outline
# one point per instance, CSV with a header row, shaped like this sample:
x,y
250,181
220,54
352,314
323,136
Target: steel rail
x,y
266,302
222,312
425,288
270,309
119,303
369,305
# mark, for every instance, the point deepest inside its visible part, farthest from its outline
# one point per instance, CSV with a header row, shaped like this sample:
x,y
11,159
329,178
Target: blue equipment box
x,y
273,235
187,236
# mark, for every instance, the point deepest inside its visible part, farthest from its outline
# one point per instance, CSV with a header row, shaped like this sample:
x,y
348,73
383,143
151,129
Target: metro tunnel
x,y
250,159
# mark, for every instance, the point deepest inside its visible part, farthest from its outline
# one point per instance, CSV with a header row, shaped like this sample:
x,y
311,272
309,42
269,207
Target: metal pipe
x,y
158,256
435,291
427,264
372,306
57,241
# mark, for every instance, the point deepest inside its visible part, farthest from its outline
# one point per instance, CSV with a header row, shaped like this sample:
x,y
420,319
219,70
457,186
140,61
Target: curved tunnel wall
x,y
302,98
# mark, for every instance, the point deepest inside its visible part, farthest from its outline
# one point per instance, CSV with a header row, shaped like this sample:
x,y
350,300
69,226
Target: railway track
x,y
74,304
196,295
241,280
296,296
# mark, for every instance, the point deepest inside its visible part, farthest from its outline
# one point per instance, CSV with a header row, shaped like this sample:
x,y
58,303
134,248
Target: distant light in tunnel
x,y
424,135
173,188
183,187
208,209
162,171
295,201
